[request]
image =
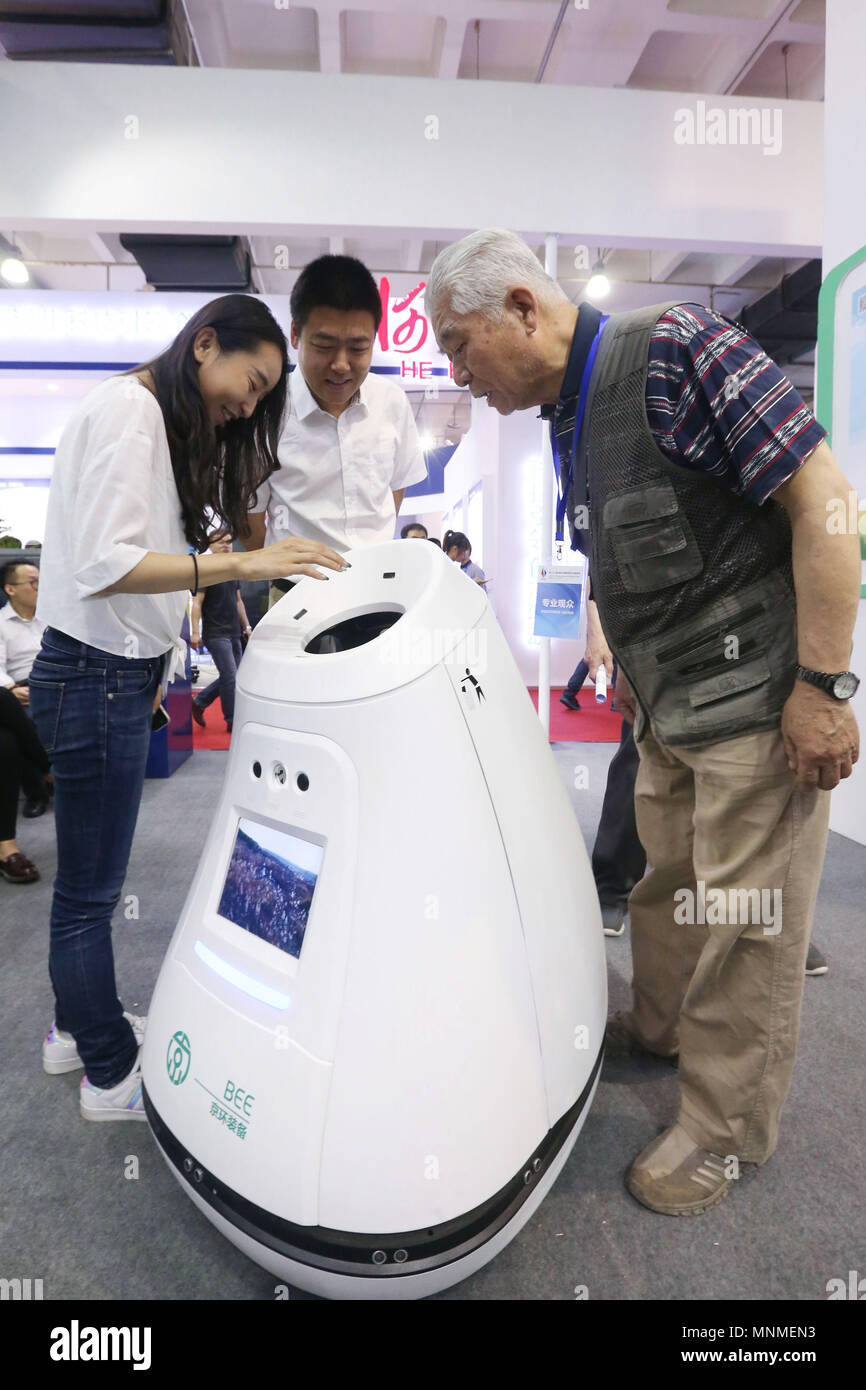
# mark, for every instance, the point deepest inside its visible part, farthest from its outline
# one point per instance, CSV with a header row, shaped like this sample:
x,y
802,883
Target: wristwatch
x,y
841,685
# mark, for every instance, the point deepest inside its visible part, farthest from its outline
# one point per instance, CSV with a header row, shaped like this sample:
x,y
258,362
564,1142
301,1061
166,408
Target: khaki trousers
x,y
725,993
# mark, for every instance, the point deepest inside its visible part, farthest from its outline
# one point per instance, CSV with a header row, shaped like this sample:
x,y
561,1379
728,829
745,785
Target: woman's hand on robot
x,y
294,556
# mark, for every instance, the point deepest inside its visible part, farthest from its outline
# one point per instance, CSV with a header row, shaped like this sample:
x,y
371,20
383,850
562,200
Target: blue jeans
x,y
227,653
93,714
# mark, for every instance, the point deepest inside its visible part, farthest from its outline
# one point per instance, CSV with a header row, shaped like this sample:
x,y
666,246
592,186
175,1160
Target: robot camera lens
x,y
379,1257
257,769
303,782
400,1256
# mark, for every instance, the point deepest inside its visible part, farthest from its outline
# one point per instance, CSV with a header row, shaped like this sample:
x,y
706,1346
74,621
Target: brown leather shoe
x,y
620,1041
675,1176
198,714
18,869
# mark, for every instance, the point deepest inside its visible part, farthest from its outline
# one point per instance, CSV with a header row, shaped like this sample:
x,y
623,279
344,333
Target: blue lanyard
x,y
562,498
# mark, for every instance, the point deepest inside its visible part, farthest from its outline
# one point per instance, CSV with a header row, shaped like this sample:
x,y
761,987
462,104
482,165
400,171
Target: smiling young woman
x,y
148,461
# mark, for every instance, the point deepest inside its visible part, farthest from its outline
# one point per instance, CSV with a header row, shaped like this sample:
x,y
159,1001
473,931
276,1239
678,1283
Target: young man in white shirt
x,y
20,639
349,447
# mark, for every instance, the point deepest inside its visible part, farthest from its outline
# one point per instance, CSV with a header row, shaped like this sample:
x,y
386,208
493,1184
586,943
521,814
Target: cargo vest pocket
x,y
727,683
652,541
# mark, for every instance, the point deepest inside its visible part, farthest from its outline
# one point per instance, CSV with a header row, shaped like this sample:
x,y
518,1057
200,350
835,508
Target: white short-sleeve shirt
x,y
336,476
112,499
20,640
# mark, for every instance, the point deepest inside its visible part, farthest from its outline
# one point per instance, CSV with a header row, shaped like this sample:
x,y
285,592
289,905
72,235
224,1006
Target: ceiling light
x,y
598,287
14,272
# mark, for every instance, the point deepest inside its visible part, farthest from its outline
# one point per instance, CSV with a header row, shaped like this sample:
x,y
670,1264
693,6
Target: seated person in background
x,y
19,746
219,616
20,629
458,549
349,447
414,530
20,639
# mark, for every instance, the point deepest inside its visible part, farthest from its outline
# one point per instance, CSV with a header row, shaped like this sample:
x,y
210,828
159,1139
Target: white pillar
x,y
548,492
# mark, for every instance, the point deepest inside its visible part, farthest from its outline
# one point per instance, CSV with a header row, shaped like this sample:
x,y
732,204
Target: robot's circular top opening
x,y
351,632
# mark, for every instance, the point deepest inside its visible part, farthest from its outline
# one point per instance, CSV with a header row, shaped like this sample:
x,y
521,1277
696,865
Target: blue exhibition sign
x,y
557,610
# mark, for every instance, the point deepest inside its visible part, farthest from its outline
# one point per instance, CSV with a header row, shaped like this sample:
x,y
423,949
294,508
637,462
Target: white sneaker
x,y
613,919
120,1102
60,1054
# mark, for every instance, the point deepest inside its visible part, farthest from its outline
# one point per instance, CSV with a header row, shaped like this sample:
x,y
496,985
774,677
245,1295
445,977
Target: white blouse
x,y
113,498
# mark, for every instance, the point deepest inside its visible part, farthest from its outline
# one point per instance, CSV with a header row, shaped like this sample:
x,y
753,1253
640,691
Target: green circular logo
x,y
178,1058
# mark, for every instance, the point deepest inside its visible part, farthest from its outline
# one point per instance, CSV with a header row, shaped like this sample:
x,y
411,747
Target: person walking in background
x,y
146,460
219,617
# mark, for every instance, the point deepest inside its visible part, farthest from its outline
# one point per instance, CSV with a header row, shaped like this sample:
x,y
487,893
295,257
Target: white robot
x,y
378,1028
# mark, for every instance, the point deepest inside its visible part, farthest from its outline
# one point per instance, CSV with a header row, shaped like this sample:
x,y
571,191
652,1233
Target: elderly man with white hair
x,y
698,484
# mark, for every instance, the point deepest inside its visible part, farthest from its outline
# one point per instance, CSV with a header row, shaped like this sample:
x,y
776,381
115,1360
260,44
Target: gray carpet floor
x,y
71,1216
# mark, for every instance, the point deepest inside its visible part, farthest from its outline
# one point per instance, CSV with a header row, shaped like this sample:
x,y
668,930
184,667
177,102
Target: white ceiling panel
x,y
393,44
255,34
681,62
726,9
783,69
503,50
810,12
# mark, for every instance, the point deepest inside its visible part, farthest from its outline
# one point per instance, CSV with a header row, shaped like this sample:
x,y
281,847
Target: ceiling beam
x,y
727,270
330,56
451,50
664,263
100,247
413,251
771,35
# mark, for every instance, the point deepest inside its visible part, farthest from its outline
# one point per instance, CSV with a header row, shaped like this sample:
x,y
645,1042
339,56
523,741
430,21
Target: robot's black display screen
x,y
270,883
